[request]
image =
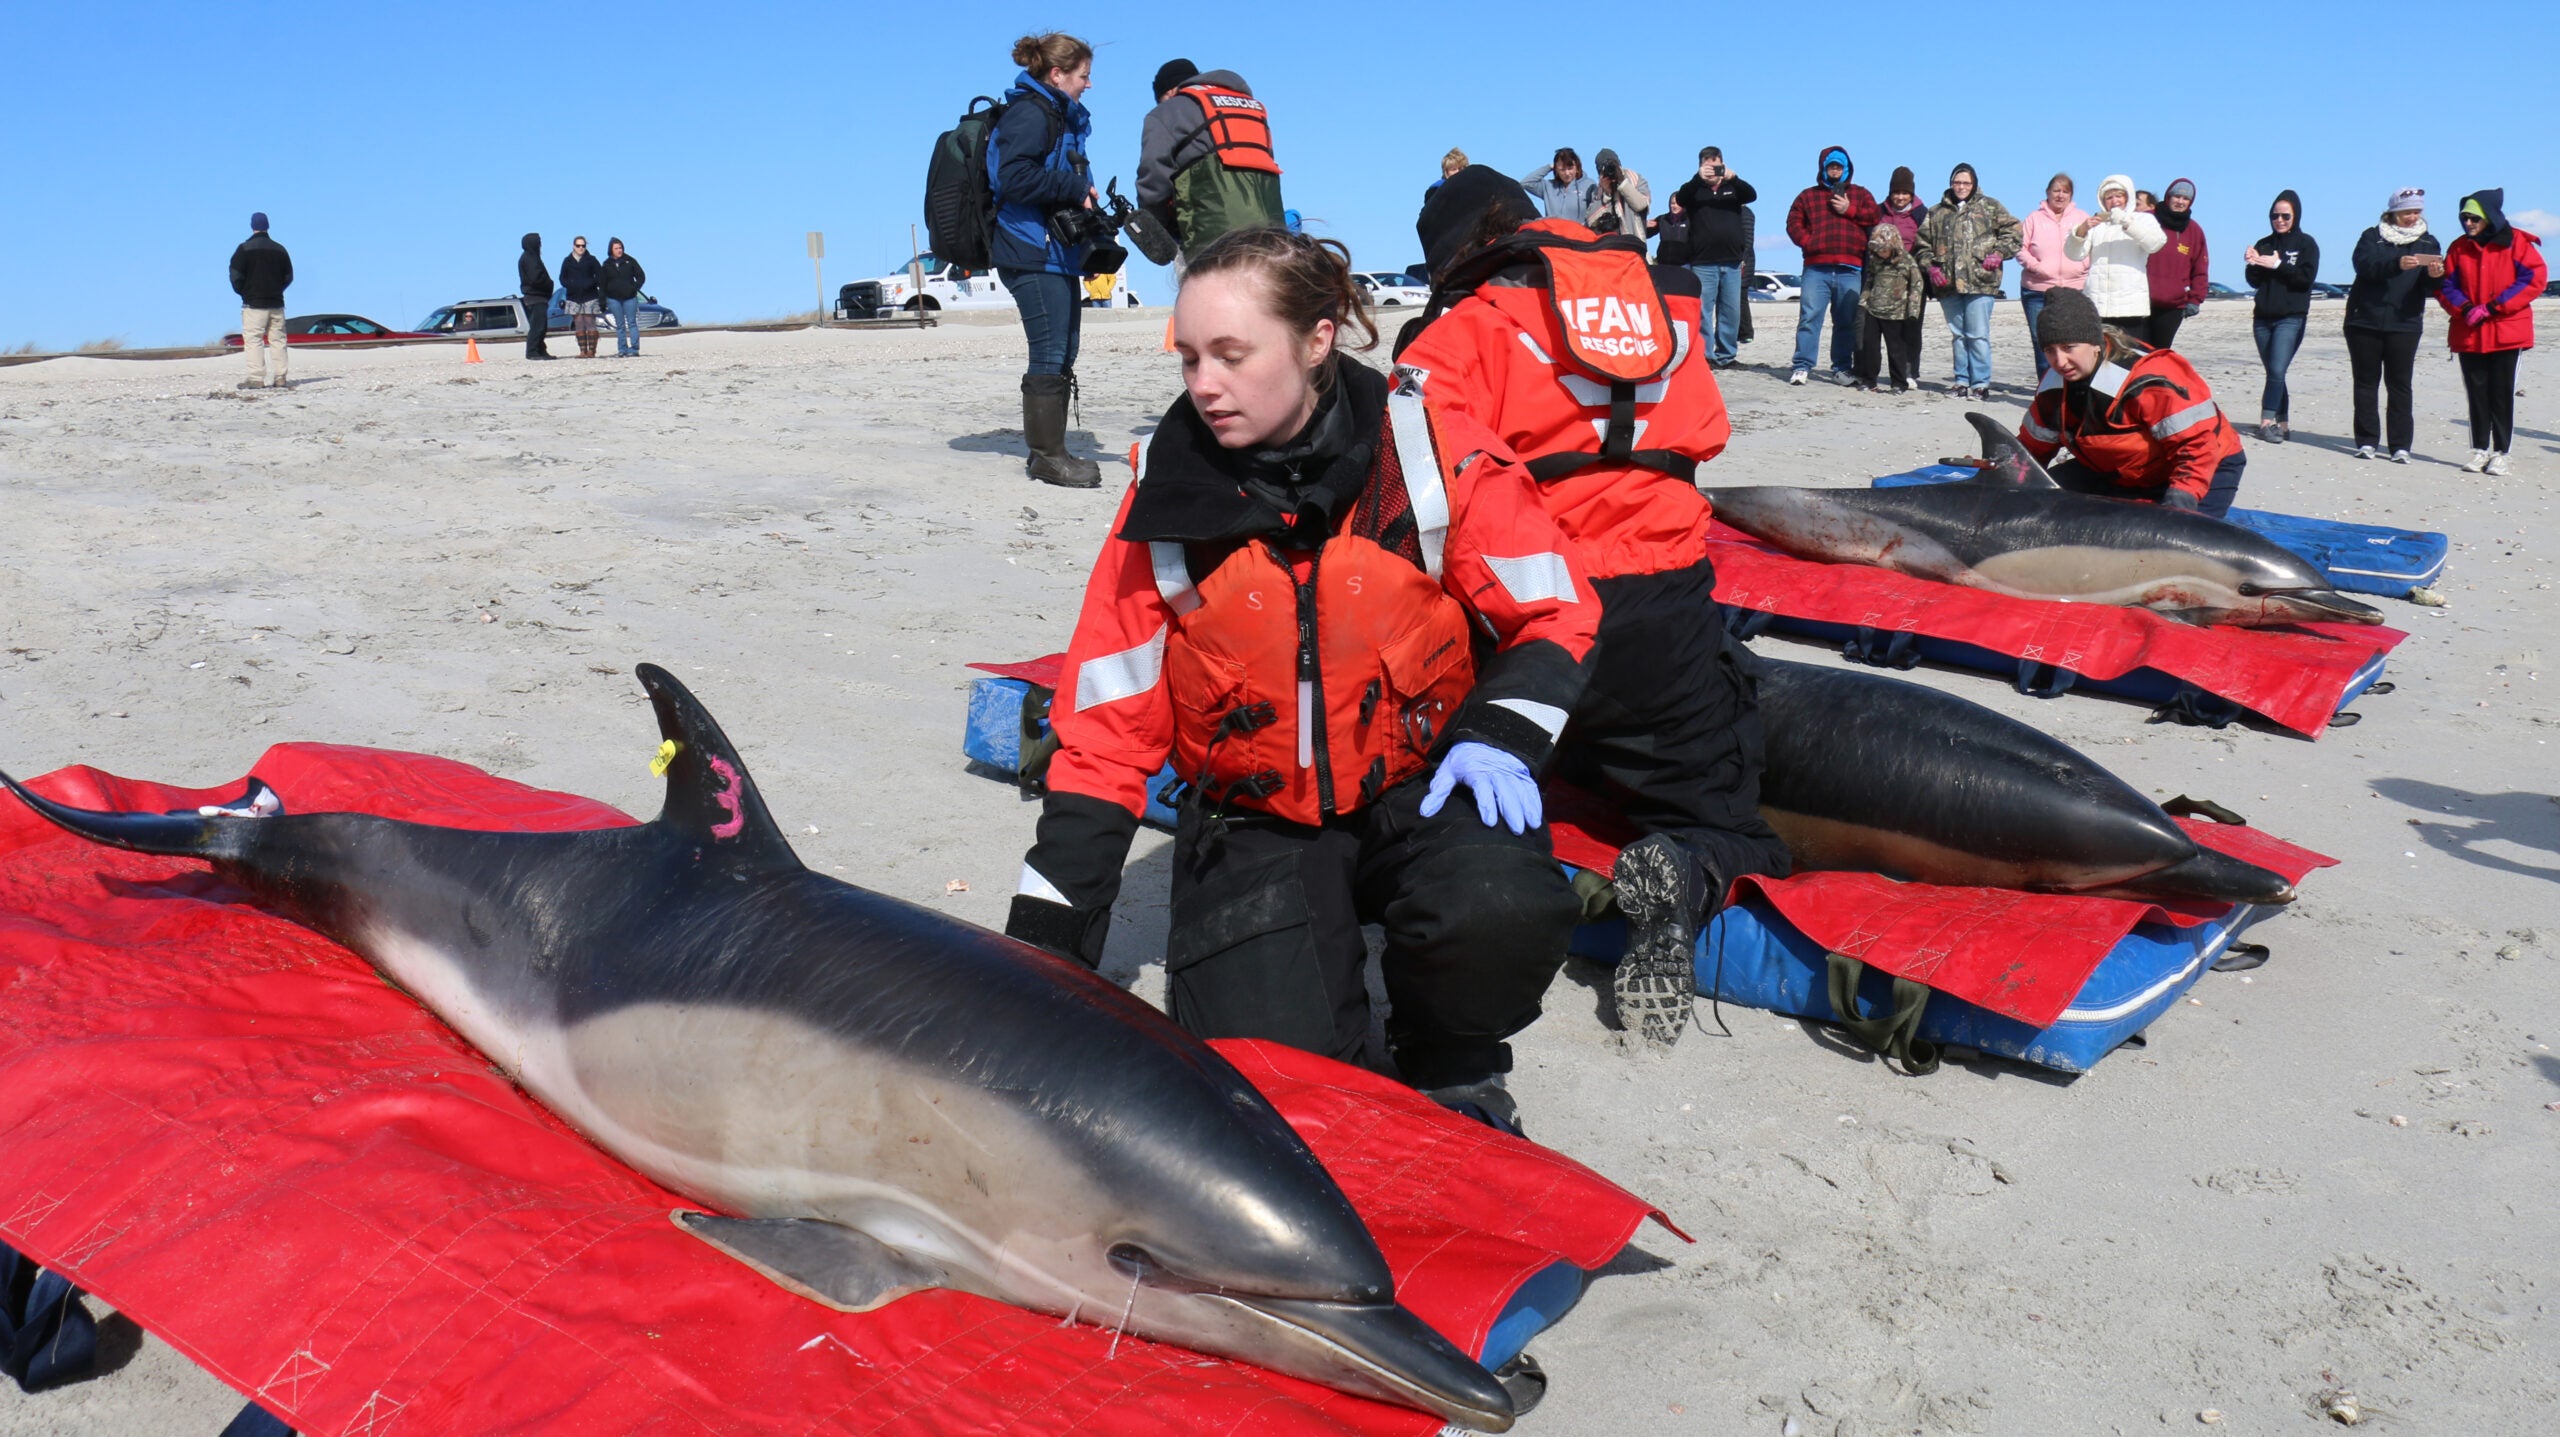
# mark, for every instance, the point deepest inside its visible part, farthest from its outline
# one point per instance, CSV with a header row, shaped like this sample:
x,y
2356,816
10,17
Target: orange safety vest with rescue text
x,y
1239,127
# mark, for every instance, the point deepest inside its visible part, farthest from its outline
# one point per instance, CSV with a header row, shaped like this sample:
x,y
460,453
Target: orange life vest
x,y
1239,127
1617,333
1306,684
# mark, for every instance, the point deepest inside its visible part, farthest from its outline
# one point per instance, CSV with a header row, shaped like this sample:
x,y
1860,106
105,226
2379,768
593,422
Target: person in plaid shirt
x,y
1830,222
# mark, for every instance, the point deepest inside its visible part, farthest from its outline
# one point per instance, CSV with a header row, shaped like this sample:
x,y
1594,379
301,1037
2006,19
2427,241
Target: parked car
x,y
946,286
332,329
477,317
1776,286
2322,289
653,315
1389,289
2216,289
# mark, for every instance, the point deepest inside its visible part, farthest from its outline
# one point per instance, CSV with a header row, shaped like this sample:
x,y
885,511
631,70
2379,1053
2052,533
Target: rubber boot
x,y
1662,892
1044,429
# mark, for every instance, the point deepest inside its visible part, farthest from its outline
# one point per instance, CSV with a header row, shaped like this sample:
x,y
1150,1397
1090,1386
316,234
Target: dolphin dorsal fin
x,y
2009,463
710,797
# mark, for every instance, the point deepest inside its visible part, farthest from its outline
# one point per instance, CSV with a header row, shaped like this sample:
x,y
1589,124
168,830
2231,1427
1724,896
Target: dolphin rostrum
x,y
1872,773
876,1098
2010,530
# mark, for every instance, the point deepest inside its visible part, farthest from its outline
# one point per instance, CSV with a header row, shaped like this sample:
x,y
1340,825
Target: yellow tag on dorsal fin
x,y
666,758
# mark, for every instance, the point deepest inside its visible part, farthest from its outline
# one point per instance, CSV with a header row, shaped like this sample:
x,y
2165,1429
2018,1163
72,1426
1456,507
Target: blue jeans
x,y
1052,308
1969,334
1833,287
1720,301
626,324
2278,338
2032,301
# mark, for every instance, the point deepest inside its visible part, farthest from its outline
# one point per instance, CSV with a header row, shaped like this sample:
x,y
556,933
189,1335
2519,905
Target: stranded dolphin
x,y
2011,531
883,1098
1866,772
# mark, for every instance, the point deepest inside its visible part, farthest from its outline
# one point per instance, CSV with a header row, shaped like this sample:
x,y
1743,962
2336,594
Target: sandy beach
x,y
2336,1172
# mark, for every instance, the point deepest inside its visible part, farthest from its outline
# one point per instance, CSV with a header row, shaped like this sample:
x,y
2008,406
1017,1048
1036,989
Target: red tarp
x,y
2024,955
2296,676
234,1131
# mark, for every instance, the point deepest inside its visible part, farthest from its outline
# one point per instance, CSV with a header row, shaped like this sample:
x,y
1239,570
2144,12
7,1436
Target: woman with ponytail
x,y
1332,607
1037,167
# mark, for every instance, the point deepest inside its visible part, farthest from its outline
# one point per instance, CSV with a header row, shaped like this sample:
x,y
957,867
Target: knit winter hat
x,y
2069,318
1455,212
258,222
1174,73
1607,159
2178,188
2406,200
1902,182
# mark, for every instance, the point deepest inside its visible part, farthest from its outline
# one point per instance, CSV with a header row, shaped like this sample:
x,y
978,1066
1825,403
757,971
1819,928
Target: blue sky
x,y
402,148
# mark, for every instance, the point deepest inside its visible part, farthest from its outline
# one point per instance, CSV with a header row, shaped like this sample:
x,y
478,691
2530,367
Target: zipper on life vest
x,y
1312,749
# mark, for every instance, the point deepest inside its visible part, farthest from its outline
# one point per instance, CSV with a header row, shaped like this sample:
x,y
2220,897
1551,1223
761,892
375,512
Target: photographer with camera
x,y
1621,204
1048,236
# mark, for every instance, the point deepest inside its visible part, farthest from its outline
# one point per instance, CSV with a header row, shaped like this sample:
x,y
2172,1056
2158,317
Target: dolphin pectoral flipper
x,y
2009,462
843,1267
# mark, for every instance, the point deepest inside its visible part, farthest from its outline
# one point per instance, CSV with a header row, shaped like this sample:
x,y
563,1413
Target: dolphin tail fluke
x,y
2214,875
175,835
2009,463
710,798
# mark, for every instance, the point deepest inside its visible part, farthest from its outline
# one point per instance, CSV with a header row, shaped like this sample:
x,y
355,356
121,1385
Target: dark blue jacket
x,y
1036,165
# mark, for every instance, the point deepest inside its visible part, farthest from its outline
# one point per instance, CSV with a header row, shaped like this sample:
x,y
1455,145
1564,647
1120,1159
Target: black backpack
x,y
958,193
959,198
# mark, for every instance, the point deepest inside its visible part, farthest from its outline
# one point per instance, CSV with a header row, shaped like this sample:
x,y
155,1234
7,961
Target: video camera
x,y
1095,229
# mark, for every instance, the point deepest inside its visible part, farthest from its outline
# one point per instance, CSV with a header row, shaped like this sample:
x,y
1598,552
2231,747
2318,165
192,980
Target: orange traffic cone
x,y
1168,334
470,350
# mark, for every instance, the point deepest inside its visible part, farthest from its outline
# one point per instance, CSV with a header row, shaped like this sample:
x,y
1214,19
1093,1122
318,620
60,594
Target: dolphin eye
x,y
1134,1260
2249,591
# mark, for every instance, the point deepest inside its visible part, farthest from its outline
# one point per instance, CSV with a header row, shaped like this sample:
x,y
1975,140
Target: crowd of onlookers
x,y
1871,266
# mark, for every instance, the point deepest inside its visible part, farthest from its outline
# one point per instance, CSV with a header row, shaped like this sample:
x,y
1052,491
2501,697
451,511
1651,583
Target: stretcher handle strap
x,y
1896,1035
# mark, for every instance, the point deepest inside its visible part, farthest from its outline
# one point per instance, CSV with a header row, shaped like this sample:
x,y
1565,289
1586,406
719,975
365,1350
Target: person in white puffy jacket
x,y
2117,242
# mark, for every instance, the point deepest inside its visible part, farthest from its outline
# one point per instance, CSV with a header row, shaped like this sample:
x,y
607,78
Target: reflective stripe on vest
x,y
2109,378
1238,126
1423,484
1109,678
2037,431
2185,419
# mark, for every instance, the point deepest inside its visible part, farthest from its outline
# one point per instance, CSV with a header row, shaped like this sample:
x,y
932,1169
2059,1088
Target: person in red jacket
x,y
1332,605
2492,276
1830,222
1590,366
2140,422
2180,269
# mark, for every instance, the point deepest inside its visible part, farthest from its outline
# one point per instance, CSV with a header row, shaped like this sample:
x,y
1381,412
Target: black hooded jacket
x,y
533,277
623,275
2286,289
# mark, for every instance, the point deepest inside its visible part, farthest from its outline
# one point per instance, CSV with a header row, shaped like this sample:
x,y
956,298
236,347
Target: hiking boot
x,y
1044,429
1486,1100
1662,891
2497,465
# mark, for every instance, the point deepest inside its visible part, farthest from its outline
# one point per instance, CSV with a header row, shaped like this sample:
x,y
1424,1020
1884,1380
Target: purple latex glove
x,y
2476,315
1992,261
1505,790
1937,277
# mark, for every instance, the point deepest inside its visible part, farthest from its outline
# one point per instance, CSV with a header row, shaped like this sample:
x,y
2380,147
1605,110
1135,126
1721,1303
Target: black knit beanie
x,y
1902,183
2069,318
1457,206
1175,72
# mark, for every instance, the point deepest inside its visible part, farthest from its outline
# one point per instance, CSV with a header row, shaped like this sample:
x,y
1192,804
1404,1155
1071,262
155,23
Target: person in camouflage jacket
x,y
1964,243
1892,302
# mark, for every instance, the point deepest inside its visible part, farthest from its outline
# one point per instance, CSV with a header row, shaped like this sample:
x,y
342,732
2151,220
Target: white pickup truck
x,y
946,286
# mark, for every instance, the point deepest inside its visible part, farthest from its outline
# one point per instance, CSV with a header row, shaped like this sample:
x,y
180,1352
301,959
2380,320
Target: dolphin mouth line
x,y
1296,1314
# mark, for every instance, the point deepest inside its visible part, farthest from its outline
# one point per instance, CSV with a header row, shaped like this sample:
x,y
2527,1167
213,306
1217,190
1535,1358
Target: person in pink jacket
x,y
2042,264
